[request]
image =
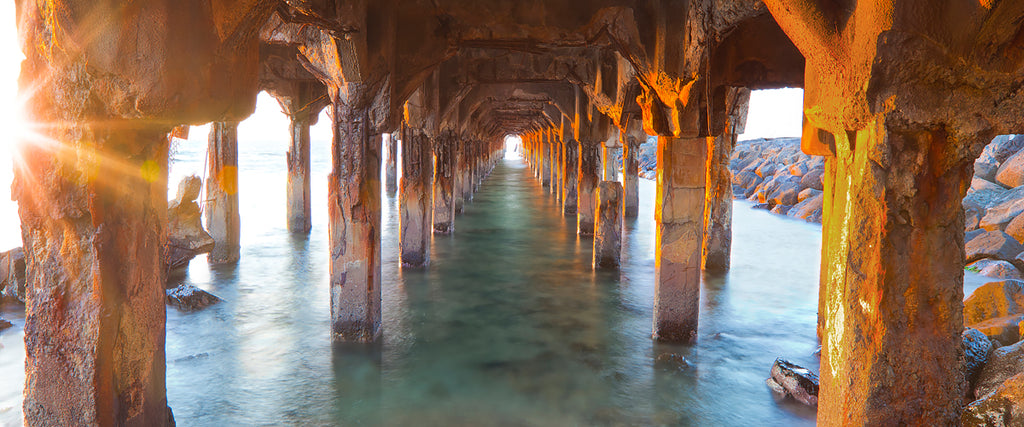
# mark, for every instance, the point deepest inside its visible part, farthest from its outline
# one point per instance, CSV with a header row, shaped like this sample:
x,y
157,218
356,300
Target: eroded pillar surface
x,y
894,304
222,216
354,220
545,168
444,185
415,204
718,204
391,165
630,178
608,166
571,172
94,316
679,214
608,237
298,204
590,160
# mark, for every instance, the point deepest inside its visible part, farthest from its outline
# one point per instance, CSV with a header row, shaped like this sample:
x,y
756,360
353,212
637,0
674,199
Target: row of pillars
x,y
693,209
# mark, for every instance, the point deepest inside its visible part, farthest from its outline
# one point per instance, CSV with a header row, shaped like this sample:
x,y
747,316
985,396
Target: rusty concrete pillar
x,y
545,168
458,197
298,203
895,238
558,182
222,217
679,214
466,170
571,171
608,238
93,233
630,177
553,160
590,159
717,247
391,164
415,194
444,181
609,170
354,207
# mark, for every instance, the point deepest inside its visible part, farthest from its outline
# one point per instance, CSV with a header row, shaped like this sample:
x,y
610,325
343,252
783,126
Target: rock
x,y
746,179
765,169
993,300
12,274
1011,172
986,171
1003,330
797,382
972,234
1015,228
812,179
781,209
1001,269
187,297
980,184
807,193
185,235
4,324
786,194
972,218
993,244
797,169
1003,363
808,208
977,348
998,216
764,206
1003,407
671,360
1001,148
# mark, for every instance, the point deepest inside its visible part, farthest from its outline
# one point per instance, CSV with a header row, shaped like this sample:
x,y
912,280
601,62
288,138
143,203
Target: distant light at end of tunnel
x,y
513,144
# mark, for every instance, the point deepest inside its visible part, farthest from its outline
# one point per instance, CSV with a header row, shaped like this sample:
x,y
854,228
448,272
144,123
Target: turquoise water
x,y
509,325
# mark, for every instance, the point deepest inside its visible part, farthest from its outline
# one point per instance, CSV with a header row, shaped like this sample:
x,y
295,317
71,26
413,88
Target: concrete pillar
x,y
444,181
415,204
353,226
586,187
545,168
679,214
466,170
94,313
298,203
630,177
571,171
558,182
391,165
718,204
608,238
894,304
222,217
458,196
553,160
609,167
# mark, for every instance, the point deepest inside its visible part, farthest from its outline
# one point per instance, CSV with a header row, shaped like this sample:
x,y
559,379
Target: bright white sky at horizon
x,y
773,113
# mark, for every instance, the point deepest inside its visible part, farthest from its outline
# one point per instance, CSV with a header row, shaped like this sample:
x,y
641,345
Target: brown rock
x,y
807,193
1001,269
993,244
1004,330
993,300
998,216
1011,172
1003,363
812,179
4,324
187,297
1015,228
1003,407
986,171
798,382
981,184
185,235
977,348
12,275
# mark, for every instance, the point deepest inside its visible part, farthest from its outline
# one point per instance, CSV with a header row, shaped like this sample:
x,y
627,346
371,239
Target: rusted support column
x,y
222,217
718,204
93,232
458,197
444,180
391,165
609,172
415,205
545,169
298,206
630,177
466,168
354,219
571,170
608,238
587,185
553,155
558,182
894,304
679,213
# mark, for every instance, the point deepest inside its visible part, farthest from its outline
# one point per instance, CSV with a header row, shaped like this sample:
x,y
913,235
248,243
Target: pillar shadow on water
x,y
357,383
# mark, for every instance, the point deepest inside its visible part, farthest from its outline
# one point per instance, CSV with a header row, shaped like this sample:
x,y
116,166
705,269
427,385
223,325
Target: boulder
x,y
12,274
969,235
1001,148
1015,228
747,179
1001,269
781,209
1003,330
998,216
993,244
4,324
794,381
1011,172
808,208
1003,363
764,206
1003,407
986,171
766,169
812,179
797,169
980,184
807,193
993,300
185,235
187,297
977,349
972,219
786,194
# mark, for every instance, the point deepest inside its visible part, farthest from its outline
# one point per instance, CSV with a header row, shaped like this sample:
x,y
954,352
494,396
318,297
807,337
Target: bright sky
x,y
773,113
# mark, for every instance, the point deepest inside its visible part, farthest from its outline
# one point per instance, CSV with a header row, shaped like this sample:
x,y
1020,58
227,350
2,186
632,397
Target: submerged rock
x,y
794,381
1003,407
1003,363
671,360
185,235
4,324
190,298
12,274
